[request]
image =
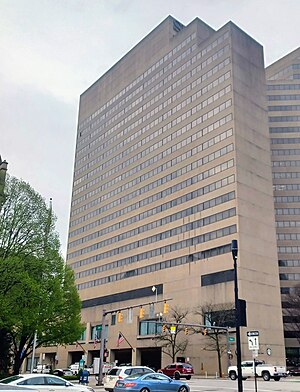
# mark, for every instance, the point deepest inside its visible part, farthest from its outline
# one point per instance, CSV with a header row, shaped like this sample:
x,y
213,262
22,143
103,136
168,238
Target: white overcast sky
x,y
53,50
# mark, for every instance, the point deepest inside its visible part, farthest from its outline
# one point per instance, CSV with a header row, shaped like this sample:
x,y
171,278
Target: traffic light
x,y
166,307
164,328
142,312
204,332
186,330
120,317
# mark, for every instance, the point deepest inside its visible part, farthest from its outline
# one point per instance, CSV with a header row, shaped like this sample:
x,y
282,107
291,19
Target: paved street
x,y
213,385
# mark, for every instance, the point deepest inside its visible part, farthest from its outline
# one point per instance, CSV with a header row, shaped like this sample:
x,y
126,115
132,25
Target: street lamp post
x,y
234,251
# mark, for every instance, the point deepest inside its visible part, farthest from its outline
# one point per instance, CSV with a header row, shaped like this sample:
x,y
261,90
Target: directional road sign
x,y
253,333
253,343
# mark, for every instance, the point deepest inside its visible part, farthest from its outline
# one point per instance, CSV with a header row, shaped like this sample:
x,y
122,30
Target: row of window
x,y
283,108
177,173
220,233
283,224
289,263
286,187
292,140
295,277
286,163
135,82
284,129
288,236
151,69
287,211
286,175
201,191
284,118
157,223
288,249
140,121
283,87
287,199
292,97
176,231
137,134
284,72
290,151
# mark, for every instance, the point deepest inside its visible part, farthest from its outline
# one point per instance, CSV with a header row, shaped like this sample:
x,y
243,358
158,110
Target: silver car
x,y
44,383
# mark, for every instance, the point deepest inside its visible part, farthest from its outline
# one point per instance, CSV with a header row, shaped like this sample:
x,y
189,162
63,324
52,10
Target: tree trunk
x,y
219,356
5,358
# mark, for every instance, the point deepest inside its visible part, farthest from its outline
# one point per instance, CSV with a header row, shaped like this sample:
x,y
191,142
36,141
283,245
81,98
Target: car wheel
x,y
276,378
266,376
183,388
177,376
232,376
144,390
188,377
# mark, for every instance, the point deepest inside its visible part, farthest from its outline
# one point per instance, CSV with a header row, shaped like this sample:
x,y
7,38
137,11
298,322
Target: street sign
x,y
98,327
253,343
253,333
231,339
173,329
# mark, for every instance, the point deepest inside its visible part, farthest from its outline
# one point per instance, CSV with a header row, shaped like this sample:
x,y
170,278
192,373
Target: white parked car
x,y
45,383
43,369
74,368
119,372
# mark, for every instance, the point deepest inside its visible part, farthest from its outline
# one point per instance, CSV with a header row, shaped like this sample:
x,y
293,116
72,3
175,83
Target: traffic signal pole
x,y
102,343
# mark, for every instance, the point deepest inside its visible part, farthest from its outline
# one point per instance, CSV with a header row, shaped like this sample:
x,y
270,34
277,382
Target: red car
x,y
178,370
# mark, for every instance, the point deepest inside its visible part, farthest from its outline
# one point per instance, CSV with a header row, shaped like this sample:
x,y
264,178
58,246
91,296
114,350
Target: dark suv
x,y
178,370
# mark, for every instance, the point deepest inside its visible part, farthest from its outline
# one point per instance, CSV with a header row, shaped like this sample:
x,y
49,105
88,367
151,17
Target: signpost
x,y
253,345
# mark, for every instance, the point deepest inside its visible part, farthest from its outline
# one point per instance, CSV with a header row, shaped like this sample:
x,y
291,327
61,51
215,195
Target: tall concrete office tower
x,y
172,163
283,79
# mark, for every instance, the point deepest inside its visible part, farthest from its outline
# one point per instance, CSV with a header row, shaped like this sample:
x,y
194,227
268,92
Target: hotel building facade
x,y
172,163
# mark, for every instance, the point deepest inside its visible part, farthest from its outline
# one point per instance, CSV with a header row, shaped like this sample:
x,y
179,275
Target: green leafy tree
x,y
173,344
37,290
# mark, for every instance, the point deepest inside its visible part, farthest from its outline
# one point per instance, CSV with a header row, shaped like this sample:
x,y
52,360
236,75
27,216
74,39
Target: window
x,y
150,327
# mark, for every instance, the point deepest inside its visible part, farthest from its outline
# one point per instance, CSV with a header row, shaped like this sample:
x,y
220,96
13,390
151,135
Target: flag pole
x,y
126,340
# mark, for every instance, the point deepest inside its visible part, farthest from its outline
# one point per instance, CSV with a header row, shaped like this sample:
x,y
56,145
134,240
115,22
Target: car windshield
x,y
187,365
10,379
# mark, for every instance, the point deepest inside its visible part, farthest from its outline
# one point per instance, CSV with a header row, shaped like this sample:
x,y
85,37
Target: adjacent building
x,y
283,94
172,163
